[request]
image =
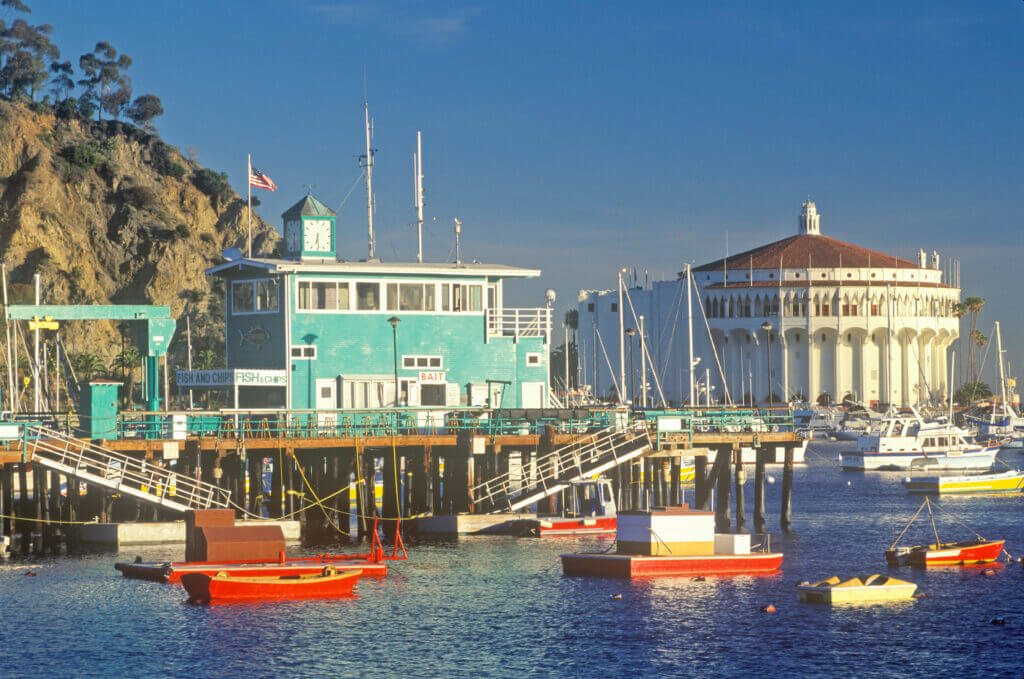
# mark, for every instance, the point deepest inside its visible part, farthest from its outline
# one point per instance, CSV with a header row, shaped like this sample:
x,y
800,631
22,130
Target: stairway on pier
x,y
102,467
555,471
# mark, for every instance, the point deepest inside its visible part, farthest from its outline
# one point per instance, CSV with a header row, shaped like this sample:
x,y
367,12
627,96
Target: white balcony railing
x,y
518,323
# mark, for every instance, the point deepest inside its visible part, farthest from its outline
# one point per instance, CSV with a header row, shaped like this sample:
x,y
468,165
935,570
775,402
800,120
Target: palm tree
x,y
126,362
88,365
973,305
208,359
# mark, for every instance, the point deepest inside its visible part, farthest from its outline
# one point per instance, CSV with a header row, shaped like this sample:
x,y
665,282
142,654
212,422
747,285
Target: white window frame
x,y
416,358
254,282
439,298
310,281
307,352
536,357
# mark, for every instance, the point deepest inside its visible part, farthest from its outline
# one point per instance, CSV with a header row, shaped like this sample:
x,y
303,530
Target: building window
x,y
432,394
615,307
822,275
849,275
796,275
533,359
434,362
368,296
872,275
771,275
304,351
323,296
254,297
590,307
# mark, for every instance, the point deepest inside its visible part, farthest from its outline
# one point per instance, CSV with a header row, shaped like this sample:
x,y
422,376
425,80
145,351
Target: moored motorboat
x,y
992,482
862,589
672,542
329,582
909,442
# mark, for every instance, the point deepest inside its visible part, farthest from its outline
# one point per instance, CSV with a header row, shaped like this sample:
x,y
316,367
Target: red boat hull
x,y
173,572
632,566
954,554
554,526
203,587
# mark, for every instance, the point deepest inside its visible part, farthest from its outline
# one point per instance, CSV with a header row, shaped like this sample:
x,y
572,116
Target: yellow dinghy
x,y
995,482
861,589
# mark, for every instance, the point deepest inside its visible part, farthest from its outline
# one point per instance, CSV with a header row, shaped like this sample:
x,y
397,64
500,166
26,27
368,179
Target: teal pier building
x,y
313,331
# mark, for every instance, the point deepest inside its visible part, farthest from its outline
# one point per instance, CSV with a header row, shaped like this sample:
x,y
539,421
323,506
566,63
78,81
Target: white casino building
x,y
846,322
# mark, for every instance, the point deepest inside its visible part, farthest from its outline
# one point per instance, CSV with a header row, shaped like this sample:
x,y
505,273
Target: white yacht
x,y
909,442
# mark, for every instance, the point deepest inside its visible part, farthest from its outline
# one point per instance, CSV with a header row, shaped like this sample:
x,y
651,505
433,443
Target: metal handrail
x,y
146,480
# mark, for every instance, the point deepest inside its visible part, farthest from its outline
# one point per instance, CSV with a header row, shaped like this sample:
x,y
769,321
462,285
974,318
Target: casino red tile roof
x,y
803,251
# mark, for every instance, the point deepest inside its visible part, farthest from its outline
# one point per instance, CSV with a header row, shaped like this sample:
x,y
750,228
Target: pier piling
x,y
759,524
740,477
785,515
723,485
700,483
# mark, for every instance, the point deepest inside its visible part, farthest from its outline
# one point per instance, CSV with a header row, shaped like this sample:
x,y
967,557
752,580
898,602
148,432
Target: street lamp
x,y
767,327
394,321
632,333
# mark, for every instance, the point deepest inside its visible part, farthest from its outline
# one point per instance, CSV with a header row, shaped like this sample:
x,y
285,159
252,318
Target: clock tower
x,y
310,230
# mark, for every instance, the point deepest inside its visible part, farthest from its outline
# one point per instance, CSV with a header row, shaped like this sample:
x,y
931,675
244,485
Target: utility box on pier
x,y
98,416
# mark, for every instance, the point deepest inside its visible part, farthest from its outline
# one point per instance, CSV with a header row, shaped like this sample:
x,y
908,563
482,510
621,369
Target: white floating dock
x,y
159,533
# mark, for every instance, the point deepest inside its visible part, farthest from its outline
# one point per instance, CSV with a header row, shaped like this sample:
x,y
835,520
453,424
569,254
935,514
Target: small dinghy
x,y
1011,481
202,587
861,589
965,553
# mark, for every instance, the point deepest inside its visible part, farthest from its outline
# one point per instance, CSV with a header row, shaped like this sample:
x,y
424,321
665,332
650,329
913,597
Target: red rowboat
x,y
328,583
946,554
552,525
174,572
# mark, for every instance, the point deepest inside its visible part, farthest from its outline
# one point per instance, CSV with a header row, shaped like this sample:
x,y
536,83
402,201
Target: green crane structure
x,y
154,329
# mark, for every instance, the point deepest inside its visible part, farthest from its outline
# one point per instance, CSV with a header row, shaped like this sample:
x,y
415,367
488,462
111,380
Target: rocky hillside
x,y
109,214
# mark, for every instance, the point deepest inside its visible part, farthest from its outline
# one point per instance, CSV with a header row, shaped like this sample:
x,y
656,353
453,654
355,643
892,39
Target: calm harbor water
x,y
495,606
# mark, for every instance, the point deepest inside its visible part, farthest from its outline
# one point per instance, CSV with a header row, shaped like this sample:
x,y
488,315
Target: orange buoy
x,y
768,609
615,596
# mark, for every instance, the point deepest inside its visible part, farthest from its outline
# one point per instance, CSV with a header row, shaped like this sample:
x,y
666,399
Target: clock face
x,y
291,235
317,235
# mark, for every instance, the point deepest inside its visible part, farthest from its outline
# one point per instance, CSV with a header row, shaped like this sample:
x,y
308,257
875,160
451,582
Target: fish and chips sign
x,y
236,377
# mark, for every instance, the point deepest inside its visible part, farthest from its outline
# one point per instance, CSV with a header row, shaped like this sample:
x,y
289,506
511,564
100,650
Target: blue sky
x,y
579,137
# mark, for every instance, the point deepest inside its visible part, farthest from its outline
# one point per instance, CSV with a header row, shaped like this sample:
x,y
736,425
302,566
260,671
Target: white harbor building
x,y
840,322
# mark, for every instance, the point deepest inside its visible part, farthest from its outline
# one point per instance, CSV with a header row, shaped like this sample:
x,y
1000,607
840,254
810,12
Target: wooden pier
x,y
422,474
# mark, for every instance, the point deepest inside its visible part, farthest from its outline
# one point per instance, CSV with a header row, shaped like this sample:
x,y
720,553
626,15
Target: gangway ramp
x,y
586,457
98,466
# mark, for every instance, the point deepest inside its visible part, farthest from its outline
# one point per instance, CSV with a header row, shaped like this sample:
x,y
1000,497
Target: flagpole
x,y
248,184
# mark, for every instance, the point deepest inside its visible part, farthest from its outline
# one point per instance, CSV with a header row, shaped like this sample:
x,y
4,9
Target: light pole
x,y
767,327
631,332
394,321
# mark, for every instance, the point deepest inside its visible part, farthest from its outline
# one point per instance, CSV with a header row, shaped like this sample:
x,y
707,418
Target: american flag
x,y
260,180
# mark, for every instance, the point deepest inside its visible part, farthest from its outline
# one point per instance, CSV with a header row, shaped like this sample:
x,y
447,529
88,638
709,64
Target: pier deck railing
x,y
125,474
695,421
310,424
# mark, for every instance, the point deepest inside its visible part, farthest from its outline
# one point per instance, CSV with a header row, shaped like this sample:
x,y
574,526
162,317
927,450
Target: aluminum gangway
x,y
586,457
143,480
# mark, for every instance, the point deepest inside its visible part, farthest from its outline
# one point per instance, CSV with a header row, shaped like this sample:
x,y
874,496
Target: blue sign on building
x,y
337,328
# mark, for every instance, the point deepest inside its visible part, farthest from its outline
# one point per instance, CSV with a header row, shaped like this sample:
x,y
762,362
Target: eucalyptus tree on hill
x,y
105,82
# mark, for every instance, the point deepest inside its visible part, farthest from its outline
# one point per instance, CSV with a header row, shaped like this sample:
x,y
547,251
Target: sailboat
x,y
969,552
1003,419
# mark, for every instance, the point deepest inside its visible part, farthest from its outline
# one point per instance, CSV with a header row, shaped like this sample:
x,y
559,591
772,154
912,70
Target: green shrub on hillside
x,y
213,184
87,154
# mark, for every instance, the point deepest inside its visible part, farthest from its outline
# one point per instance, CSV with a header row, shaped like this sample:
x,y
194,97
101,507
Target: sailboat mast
x,y
1002,375
418,188
689,327
369,178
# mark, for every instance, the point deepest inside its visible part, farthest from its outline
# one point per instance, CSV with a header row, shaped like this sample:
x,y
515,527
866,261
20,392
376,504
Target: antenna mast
x,y
368,165
458,249
417,187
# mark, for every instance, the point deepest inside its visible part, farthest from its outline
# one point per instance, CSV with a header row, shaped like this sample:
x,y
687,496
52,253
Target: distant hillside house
x,y
846,323
311,331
